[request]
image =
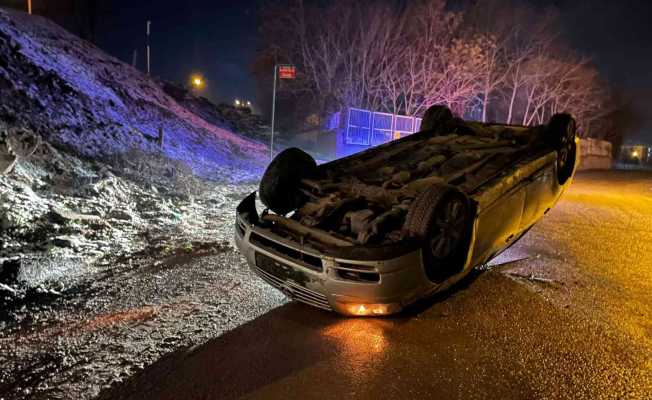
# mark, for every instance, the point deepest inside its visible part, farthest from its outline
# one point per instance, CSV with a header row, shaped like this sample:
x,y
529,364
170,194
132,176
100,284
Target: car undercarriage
x,y
364,199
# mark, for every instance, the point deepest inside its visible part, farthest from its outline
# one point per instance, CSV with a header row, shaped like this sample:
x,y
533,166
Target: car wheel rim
x,y
566,146
563,157
448,228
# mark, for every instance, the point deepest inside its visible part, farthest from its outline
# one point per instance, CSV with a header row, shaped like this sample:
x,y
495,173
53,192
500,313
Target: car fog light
x,y
364,309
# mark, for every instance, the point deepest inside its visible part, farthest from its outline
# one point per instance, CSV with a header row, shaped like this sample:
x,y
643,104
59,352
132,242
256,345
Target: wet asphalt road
x,y
572,320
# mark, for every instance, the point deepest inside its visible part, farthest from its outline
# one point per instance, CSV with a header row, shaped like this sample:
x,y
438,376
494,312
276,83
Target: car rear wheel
x,y
441,219
279,187
436,118
561,133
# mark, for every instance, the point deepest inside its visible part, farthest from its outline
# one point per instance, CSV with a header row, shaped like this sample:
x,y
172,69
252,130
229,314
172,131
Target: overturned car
x,y
372,233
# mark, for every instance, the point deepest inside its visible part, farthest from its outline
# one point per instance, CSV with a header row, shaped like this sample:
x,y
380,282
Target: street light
x,y
634,154
197,82
237,103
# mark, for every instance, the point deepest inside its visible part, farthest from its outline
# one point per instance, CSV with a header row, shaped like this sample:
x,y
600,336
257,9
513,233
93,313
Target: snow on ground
x,y
102,273
62,216
167,278
108,265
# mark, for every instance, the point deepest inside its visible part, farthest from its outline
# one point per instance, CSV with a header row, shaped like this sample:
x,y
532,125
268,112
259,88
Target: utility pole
x,y
148,30
29,7
271,143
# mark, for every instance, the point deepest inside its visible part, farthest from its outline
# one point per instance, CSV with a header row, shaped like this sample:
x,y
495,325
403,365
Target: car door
x,y
540,194
499,223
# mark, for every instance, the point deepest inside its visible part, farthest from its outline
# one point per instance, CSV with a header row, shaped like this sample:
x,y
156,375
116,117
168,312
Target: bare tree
x,y
375,55
428,63
402,57
561,84
341,49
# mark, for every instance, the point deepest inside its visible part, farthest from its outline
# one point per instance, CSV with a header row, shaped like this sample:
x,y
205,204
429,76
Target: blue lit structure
x,y
359,129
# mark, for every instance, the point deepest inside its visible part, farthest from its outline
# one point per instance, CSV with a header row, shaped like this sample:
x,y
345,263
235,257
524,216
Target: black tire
x,y
560,134
441,219
436,118
279,188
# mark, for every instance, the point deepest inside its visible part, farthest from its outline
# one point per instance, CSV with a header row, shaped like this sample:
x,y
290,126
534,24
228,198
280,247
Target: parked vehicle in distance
x,y
371,233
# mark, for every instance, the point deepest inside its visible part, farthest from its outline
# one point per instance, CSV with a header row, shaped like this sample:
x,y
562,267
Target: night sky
x,y
218,38
617,35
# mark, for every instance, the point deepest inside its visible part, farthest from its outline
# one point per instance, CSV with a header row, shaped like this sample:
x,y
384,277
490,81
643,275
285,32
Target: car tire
x,y
441,219
279,187
436,118
560,134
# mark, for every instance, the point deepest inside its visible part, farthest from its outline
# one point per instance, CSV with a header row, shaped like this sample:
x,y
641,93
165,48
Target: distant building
x,y
595,154
636,154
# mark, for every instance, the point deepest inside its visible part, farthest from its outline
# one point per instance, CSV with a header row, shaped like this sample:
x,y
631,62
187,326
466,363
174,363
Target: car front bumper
x,y
378,283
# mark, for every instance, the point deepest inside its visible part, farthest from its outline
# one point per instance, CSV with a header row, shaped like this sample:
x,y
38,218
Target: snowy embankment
x,y
73,94
99,186
114,248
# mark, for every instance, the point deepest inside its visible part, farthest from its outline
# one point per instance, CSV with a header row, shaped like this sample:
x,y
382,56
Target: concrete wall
x,y
595,154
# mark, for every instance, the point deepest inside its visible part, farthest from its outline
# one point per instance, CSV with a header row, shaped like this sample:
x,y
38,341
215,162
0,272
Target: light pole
x,y
148,26
29,7
271,143
284,71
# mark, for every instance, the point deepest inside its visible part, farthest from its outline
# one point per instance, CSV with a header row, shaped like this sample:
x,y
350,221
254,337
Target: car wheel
x,y
435,118
441,219
279,187
561,133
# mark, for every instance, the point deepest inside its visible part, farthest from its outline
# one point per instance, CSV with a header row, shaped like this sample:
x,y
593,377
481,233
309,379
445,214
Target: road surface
x,y
572,320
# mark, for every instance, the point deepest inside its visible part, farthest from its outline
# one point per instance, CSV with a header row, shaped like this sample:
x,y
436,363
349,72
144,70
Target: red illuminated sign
x,y
287,72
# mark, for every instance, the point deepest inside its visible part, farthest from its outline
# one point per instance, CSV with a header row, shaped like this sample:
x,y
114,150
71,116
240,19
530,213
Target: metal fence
x,y
381,128
368,128
358,128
